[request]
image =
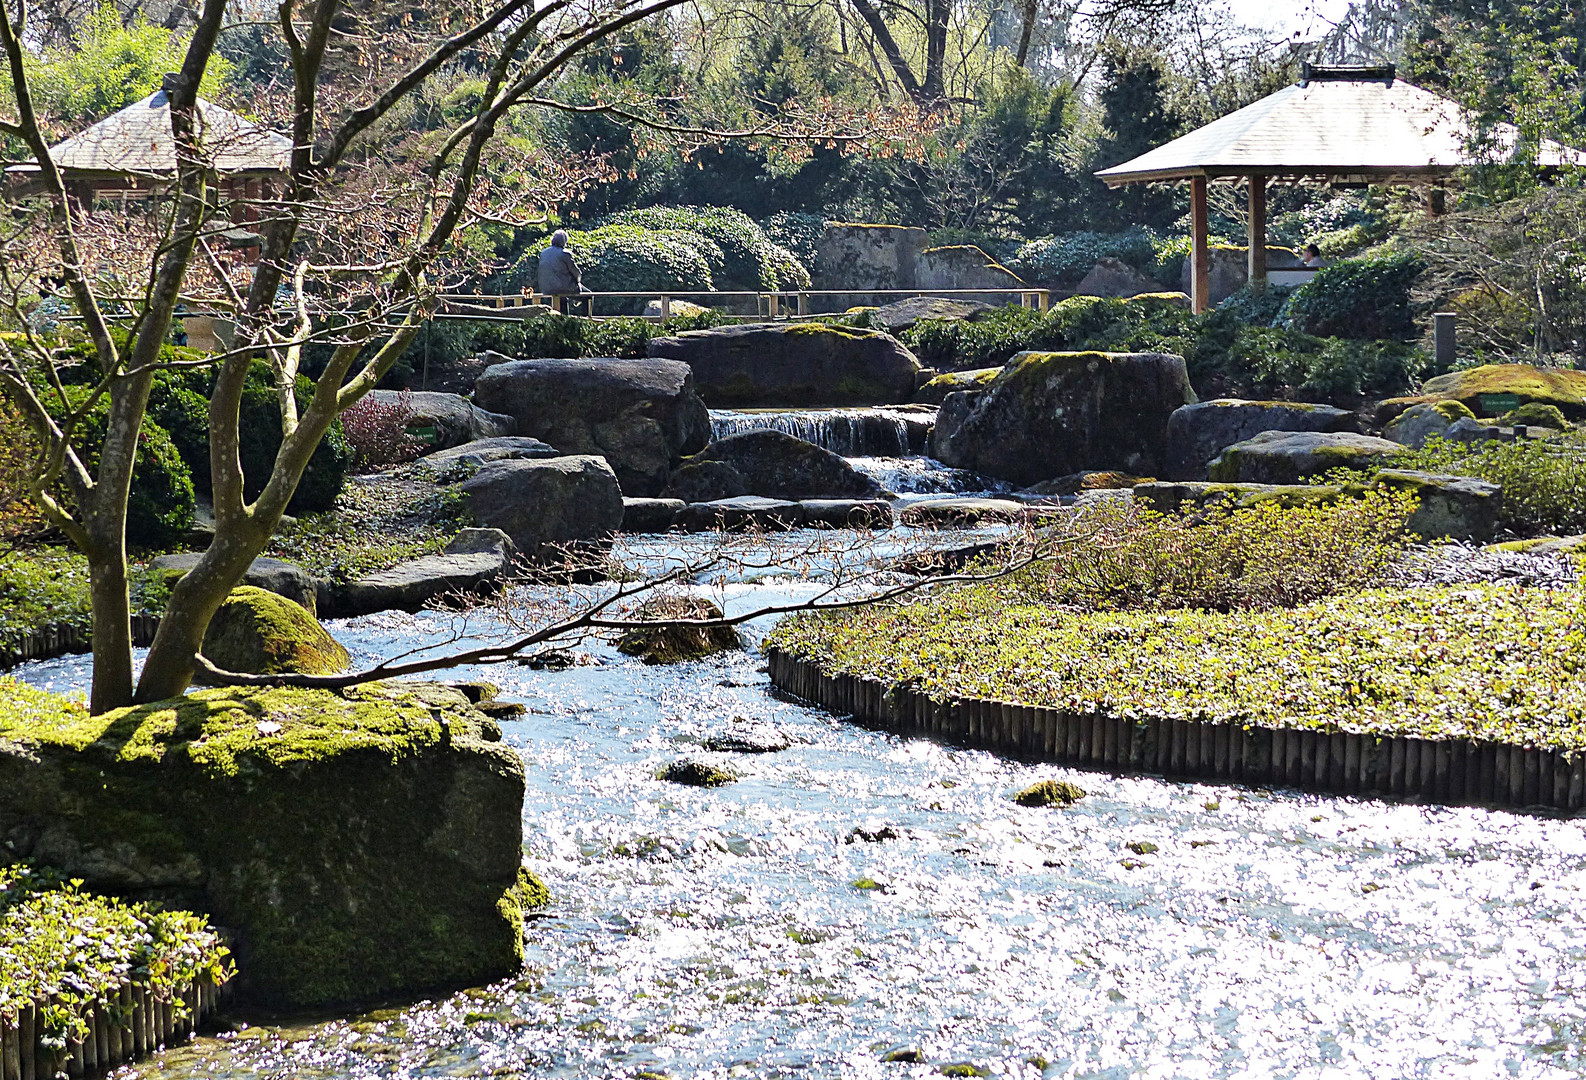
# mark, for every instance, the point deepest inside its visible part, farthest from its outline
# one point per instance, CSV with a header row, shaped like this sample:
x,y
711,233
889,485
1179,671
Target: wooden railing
x,y
769,303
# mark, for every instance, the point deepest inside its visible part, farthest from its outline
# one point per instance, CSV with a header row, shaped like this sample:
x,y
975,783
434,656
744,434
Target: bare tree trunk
x,y
1032,9
889,47
934,87
111,608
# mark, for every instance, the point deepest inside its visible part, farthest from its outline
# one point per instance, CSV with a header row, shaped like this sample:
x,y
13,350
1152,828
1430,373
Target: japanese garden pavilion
x,y
1347,126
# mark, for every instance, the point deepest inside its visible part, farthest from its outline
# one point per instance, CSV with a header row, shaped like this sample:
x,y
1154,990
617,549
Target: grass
x,y
1472,662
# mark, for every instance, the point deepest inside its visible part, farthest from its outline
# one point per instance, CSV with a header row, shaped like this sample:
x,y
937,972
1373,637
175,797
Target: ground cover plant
x,y
39,587
1220,558
72,949
1486,662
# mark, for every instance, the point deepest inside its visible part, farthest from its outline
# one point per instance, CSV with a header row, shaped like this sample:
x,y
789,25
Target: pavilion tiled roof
x,y
1338,124
138,140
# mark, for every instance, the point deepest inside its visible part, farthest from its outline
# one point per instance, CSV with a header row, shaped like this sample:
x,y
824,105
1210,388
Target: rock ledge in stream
x,y
360,845
475,563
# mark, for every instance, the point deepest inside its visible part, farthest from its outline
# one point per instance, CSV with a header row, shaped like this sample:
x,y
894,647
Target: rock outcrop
x,y
359,845
640,415
1112,277
936,390
649,515
749,512
1287,457
1494,389
545,504
1198,433
674,642
453,419
480,451
900,315
771,464
1051,414
1452,507
759,365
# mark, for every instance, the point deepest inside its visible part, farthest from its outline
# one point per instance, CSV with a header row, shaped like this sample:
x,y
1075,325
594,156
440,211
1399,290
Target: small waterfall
x,y
924,476
881,432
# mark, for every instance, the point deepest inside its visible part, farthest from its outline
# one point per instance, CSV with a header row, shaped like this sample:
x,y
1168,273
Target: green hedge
x,y
1358,298
749,258
1226,355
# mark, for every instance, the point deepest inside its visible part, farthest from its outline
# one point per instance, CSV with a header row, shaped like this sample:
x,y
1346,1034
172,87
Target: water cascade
x,y
896,431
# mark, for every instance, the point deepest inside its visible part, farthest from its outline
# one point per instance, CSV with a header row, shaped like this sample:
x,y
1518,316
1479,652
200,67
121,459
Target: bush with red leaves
x,y
377,432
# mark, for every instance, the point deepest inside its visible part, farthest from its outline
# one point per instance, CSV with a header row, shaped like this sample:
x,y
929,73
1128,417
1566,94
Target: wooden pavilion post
x,y
1200,256
1256,233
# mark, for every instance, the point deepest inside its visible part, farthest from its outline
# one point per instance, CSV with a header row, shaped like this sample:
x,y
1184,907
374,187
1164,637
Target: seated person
x,y
1313,257
559,274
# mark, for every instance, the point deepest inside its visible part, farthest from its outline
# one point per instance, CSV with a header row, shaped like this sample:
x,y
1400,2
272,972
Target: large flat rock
x,y
1287,457
1198,433
475,563
272,575
772,464
759,365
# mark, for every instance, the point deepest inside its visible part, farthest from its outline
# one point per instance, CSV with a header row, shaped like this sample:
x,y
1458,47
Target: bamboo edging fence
x,y
58,639
123,1027
1449,771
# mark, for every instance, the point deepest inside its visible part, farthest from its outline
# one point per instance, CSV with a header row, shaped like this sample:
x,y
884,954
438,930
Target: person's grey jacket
x,y
558,273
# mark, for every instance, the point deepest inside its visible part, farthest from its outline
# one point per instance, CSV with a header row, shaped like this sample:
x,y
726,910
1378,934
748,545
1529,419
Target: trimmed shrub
x,y
749,258
259,428
1064,259
160,502
799,233
1358,298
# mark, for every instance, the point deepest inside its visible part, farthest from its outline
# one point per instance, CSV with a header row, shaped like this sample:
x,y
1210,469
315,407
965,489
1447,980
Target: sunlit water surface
x,y
722,933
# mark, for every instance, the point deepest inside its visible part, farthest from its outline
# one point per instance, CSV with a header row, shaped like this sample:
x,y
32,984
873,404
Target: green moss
x,y
696,774
963,1068
360,844
1453,410
974,379
1536,414
1050,793
1479,662
852,333
216,729
1560,387
259,633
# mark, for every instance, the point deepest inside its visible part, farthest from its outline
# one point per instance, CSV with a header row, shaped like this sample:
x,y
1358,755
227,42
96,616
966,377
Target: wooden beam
x,y
1200,256
1257,232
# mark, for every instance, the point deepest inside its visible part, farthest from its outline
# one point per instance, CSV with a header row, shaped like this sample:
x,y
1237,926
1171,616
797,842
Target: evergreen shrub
x,y
1358,298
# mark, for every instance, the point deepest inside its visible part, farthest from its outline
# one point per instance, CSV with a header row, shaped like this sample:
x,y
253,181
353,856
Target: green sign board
x,y
425,435
1498,404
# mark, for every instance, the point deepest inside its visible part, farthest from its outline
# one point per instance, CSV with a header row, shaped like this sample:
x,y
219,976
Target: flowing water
x,y
882,431
858,894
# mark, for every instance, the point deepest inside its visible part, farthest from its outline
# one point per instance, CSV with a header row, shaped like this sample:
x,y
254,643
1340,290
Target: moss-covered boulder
x,y
1198,433
671,642
1420,422
256,632
357,845
793,366
1287,457
1051,414
1050,793
1494,389
950,382
1456,507
1536,414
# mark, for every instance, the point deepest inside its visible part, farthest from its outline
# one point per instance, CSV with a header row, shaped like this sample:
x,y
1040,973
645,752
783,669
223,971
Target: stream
x,y
721,932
